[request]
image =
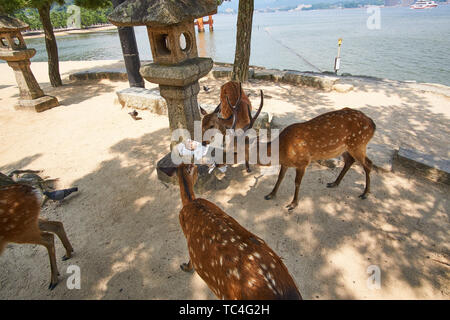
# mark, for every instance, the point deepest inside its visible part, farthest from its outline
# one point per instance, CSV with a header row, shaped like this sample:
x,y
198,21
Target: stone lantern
x,y
176,66
14,50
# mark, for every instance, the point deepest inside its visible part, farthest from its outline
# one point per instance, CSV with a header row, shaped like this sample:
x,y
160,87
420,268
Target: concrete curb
x,y
428,166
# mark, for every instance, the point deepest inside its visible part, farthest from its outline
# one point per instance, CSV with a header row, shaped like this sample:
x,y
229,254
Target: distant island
x,y
297,5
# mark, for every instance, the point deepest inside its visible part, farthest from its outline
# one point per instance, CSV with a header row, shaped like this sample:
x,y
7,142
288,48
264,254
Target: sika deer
x,y
234,263
233,111
20,223
343,132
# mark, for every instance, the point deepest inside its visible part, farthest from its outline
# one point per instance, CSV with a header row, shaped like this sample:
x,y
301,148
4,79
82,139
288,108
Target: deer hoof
x,y
332,185
363,196
185,267
52,285
269,197
291,206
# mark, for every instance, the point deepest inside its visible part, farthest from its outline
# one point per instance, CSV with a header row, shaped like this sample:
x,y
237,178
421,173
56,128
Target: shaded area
x,y
124,225
133,222
20,165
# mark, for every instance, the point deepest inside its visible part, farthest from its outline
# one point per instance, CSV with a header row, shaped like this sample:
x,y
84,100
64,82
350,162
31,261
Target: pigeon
x,y
207,89
134,115
59,195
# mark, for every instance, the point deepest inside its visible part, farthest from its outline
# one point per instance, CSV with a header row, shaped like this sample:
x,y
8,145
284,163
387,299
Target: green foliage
x,y
26,10
93,4
92,17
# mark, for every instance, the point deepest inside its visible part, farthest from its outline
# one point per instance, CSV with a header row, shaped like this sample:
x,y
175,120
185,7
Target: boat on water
x,y
423,4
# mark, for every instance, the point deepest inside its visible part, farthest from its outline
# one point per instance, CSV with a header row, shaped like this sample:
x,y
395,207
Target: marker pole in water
x,y
337,60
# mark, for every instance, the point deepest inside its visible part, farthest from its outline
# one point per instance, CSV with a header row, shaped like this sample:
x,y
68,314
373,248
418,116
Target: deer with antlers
x,y
20,223
234,263
343,132
233,112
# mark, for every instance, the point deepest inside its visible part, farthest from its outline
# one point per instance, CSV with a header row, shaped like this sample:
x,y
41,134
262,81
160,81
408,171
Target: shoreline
x,y
224,68
67,32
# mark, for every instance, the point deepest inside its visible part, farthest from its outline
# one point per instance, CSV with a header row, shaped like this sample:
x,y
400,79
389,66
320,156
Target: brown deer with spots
x,y
343,132
233,112
234,263
20,223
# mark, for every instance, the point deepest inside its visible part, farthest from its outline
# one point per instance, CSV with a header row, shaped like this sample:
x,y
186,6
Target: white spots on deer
x,y
234,272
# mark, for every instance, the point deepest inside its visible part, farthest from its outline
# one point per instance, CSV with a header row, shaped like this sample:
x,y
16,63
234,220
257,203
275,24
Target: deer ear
x,y
168,170
203,111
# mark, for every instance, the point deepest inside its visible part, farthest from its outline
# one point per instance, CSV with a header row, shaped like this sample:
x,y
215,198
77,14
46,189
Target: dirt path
x,y
123,223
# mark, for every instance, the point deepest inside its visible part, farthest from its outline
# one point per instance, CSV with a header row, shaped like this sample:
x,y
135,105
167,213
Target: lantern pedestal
x,y
38,104
31,95
178,84
14,50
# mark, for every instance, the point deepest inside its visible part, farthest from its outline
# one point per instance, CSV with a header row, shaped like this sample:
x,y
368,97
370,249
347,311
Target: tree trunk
x,y
50,44
130,53
243,40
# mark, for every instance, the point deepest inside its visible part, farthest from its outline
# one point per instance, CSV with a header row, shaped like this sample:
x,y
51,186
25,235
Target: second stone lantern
x,y
14,50
176,66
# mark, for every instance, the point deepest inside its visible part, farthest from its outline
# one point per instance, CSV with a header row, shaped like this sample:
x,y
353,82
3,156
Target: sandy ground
x,y
123,223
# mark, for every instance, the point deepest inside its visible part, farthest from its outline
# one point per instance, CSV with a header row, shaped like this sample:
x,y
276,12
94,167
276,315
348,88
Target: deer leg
x,y
48,241
247,166
367,168
298,180
57,228
360,156
272,195
349,160
187,267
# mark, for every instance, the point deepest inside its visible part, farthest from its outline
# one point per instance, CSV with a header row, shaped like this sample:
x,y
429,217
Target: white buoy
x,y
337,60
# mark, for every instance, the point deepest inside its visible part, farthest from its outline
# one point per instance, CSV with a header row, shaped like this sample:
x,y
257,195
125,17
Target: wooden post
x,y
200,26
130,53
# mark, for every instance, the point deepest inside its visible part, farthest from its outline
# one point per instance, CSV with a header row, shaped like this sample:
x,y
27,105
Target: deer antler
x,y
217,109
252,120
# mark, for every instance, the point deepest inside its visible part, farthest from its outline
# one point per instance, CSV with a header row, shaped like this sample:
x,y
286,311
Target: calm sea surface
x,y
410,44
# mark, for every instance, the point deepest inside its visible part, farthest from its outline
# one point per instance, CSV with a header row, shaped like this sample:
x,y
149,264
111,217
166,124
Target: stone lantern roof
x,y
161,13
8,24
